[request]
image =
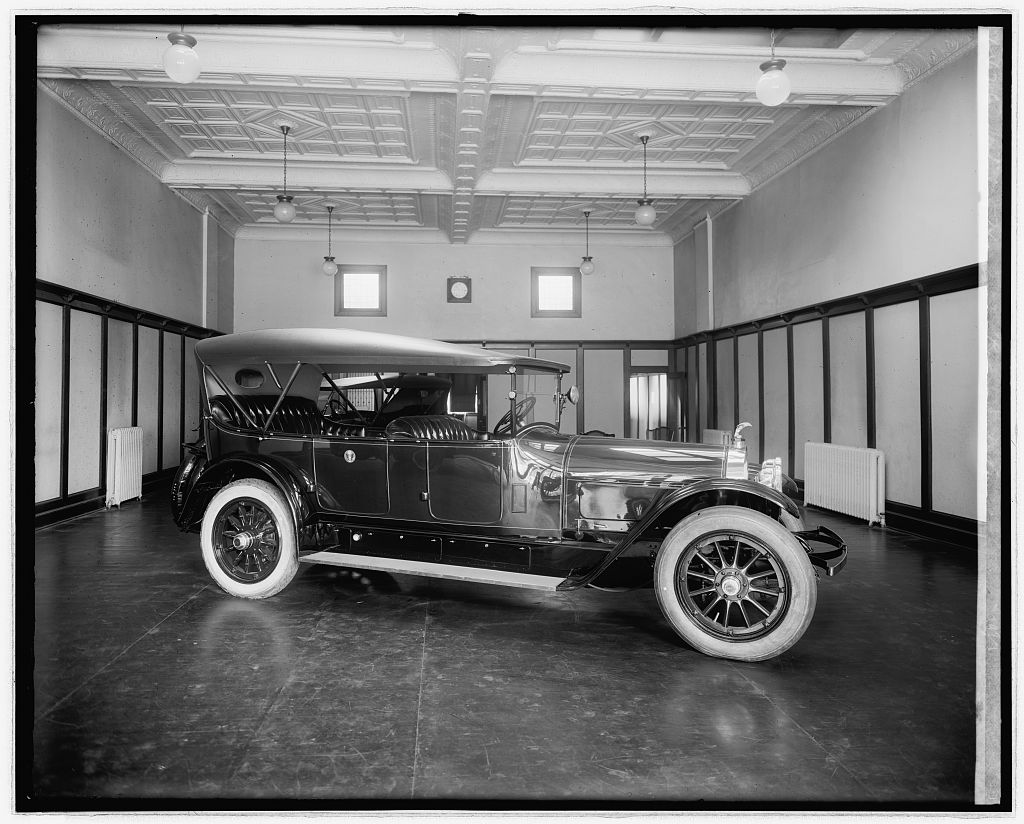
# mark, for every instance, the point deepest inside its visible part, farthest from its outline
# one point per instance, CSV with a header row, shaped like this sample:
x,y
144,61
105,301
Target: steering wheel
x,y
533,427
521,410
335,410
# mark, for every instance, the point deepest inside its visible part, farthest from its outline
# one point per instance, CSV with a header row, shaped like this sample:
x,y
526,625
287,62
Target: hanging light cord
x,y
587,216
773,44
644,140
330,211
284,130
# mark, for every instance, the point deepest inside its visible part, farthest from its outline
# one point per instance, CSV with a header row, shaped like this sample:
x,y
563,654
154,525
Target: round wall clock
x,y
460,290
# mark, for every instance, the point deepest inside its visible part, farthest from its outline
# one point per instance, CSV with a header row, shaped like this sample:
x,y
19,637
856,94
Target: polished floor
x,y
150,683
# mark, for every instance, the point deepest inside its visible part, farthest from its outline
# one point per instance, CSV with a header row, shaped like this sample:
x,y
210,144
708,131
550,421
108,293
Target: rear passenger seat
x,y
295,416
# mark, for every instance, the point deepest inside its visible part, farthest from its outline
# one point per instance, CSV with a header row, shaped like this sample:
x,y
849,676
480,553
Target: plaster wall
x,y
106,226
278,283
685,284
895,197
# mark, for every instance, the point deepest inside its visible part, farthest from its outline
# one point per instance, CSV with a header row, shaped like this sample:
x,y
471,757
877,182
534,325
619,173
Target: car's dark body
x,y
426,494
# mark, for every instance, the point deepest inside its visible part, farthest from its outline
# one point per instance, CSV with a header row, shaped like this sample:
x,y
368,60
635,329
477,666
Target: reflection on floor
x,y
151,683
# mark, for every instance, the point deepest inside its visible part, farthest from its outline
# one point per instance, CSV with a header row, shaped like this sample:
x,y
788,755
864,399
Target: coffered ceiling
x,y
463,129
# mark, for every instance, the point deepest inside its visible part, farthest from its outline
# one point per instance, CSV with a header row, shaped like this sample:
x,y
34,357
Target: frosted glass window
x,y
360,290
555,292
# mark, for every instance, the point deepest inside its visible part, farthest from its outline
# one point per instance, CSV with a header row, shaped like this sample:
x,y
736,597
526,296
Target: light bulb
x,y
330,267
284,211
180,60
587,267
773,86
645,214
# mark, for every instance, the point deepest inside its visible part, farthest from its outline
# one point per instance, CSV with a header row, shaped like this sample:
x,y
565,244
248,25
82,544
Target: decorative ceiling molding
x,y
204,201
934,52
82,101
823,129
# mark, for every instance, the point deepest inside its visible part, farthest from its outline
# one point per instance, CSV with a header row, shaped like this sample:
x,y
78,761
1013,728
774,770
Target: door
x,y
464,481
352,476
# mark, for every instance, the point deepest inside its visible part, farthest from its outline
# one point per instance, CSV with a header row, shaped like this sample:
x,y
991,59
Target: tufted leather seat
x,y
295,416
431,427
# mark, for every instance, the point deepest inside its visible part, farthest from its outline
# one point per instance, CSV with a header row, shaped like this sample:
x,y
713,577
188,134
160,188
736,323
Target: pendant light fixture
x,y
644,214
329,267
284,211
773,86
587,266
180,60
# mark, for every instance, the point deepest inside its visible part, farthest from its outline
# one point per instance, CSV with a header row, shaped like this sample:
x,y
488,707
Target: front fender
x,y
211,477
678,503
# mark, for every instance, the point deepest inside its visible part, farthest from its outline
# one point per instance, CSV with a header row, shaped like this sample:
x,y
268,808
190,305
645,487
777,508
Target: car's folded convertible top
x,y
352,350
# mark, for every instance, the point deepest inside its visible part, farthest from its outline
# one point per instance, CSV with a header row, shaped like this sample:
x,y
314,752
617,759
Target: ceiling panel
x,y
490,127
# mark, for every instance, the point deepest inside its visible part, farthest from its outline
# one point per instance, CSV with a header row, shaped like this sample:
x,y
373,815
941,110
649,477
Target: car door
x,y
465,481
352,475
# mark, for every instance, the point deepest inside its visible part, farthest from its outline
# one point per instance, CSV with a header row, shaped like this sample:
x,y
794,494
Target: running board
x,y
431,570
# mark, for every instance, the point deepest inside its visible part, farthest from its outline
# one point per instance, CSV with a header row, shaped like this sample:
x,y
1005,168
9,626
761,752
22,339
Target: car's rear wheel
x,y
735,584
248,539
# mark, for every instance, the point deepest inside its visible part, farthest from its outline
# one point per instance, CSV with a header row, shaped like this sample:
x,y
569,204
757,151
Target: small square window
x,y
361,291
556,292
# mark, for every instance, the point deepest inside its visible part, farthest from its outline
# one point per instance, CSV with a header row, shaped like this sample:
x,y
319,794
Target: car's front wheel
x,y
248,539
735,584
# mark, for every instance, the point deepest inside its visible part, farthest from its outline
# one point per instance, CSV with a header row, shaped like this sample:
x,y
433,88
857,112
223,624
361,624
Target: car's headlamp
x,y
770,474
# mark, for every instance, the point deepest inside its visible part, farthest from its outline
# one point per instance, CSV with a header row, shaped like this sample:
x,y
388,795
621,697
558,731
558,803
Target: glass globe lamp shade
x,y
330,267
645,214
773,86
284,211
180,60
587,267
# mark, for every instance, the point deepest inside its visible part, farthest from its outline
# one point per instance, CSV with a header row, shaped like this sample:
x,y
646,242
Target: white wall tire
x,y
734,583
248,539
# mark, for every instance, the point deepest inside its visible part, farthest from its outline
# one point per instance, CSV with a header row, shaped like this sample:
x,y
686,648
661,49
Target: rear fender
x,y
211,477
679,503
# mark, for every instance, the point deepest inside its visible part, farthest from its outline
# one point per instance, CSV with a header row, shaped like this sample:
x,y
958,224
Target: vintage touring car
x,y
333,446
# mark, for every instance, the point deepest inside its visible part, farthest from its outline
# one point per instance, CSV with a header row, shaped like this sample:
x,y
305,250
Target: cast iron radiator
x,y
124,465
845,479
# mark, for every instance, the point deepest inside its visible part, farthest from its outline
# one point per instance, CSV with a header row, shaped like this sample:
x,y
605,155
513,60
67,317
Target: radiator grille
x,y
845,479
124,465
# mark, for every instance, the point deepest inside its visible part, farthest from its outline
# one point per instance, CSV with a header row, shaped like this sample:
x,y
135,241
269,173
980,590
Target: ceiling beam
x,y
703,77
235,174
611,183
289,56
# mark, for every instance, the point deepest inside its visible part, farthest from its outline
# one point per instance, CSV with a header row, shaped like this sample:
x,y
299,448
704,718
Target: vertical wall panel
x,y
603,399
693,401
776,398
47,400
898,400
954,371
543,387
702,389
725,384
649,357
192,410
808,377
172,400
750,392
84,420
119,374
149,364
847,378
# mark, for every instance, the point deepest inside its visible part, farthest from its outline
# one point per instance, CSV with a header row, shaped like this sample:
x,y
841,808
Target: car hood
x,y
628,461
